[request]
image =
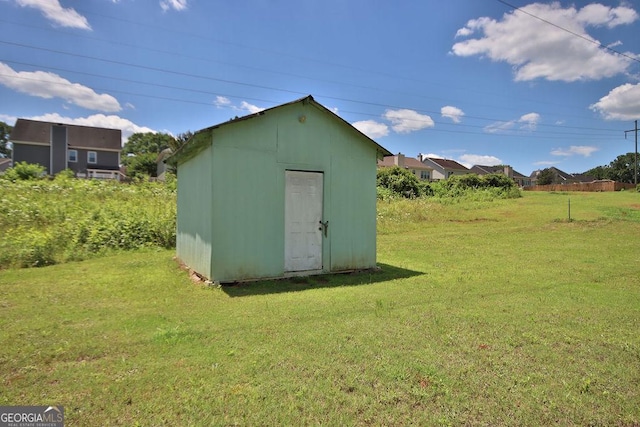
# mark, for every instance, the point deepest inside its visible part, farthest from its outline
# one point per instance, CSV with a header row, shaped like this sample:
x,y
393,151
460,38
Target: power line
x,y
368,71
201,91
510,133
635,158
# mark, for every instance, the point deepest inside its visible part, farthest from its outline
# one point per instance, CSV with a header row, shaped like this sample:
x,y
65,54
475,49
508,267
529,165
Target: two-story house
x,y
90,152
520,179
562,177
415,166
443,168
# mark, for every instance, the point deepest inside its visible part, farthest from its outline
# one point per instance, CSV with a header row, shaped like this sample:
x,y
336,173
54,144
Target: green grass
x,y
483,313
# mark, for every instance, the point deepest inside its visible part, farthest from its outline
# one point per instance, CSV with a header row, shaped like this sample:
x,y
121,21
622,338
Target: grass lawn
x,y
501,313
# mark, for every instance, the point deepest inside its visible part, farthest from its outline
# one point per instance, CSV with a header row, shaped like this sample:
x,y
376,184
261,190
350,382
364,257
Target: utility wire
x,y
508,132
184,74
262,70
573,33
201,91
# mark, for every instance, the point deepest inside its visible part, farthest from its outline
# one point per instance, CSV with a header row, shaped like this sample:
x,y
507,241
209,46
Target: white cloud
x,y
98,120
244,105
453,113
49,85
372,129
469,160
622,103
10,120
406,121
53,11
430,155
173,4
546,163
528,122
538,50
575,150
222,101
598,14
464,32
499,127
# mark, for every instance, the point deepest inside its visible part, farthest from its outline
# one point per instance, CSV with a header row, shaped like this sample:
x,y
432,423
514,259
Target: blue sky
x,y
477,81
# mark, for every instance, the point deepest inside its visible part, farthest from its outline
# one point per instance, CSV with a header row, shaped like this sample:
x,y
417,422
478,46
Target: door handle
x,y
324,226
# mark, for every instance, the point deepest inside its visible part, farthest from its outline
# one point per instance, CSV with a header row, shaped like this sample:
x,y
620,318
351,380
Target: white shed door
x,y
302,216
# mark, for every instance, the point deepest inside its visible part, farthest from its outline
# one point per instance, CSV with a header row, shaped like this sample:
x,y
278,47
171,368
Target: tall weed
x,y
50,221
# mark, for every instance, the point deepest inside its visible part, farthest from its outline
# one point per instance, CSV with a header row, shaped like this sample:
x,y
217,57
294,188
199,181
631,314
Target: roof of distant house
x,y
409,162
568,177
480,169
447,164
26,131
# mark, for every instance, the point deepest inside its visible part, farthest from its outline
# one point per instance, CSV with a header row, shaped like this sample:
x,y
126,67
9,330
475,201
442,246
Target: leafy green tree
x,y
141,152
622,168
142,165
546,177
149,142
599,172
5,131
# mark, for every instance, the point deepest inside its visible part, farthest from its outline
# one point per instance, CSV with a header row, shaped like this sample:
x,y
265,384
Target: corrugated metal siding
x,y
248,208
353,204
193,240
353,213
248,163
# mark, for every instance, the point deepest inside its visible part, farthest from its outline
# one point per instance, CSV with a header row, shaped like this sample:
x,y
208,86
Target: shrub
x,y
65,174
400,182
474,187
23,171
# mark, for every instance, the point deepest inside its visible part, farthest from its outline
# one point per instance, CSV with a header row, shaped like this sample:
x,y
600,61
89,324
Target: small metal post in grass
x,y
569,205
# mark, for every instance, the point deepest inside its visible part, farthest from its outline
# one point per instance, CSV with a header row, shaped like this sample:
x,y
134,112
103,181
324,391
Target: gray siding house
x,y
90,152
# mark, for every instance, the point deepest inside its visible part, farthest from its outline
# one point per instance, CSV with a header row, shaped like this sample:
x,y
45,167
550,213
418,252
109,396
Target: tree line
x,y
140,155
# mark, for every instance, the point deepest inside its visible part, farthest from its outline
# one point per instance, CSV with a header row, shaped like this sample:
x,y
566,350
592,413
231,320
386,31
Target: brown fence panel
x,y
583,186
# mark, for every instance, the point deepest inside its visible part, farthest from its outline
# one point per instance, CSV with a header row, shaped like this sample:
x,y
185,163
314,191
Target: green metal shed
x,y
288,191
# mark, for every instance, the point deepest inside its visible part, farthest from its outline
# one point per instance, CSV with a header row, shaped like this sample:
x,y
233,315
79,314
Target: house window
x,y
449,173
92,157
424,174
73,155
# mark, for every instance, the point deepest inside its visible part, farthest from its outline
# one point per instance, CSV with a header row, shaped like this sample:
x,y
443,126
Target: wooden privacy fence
x,y
583,186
